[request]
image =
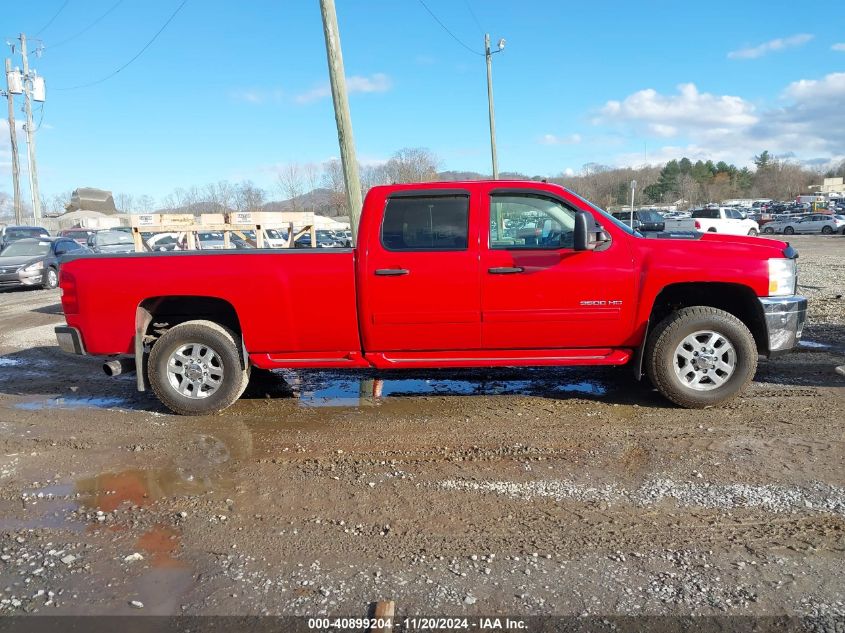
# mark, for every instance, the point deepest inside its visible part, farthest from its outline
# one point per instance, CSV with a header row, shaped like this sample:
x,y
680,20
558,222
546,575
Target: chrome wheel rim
x,y
52,278
195,371
704,360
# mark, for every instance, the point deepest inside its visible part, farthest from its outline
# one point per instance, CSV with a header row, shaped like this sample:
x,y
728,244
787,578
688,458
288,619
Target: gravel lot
x,y
463,492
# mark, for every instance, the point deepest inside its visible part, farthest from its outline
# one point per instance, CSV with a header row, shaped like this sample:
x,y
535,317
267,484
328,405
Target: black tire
x,y
827,230
711,230
753,232
768,230
223,342
788,230
667,337
51,279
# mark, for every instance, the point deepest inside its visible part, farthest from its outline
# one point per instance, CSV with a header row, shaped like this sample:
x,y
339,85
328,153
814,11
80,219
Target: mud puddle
x,y
86,502
336,389
75,402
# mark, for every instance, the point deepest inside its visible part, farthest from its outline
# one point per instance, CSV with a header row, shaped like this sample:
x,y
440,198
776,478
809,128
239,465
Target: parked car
x,y
9,234
275,238
325,239
35,261
813,223
79,235
436,281
215,241
111,241
722,220
644,220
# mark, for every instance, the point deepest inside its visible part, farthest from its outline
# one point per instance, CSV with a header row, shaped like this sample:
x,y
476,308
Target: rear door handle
x,y
506,270
391,272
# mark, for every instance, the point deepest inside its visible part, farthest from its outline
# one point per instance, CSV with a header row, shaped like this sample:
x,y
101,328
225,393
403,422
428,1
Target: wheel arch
x,y
736,299
155,315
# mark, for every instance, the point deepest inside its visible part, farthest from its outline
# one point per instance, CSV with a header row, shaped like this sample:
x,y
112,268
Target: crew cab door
x,y
420,285
536,291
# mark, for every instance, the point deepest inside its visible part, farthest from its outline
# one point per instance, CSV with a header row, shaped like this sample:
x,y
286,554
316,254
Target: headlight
x,y
33,267
782,277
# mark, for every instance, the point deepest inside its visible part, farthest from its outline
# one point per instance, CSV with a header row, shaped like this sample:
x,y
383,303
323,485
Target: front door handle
x,y
506,270
391,272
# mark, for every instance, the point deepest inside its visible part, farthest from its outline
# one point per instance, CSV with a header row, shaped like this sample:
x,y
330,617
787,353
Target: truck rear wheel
x,y
701,357
195,368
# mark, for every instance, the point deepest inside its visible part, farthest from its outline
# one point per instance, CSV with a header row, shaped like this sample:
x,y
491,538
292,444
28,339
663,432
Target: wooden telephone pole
x,y
30,133
341,115
13,133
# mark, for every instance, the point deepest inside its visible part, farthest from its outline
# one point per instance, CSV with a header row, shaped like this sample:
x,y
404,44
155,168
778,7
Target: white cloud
x,y
551,139
779,44
809,123
664,114
378,82
838,47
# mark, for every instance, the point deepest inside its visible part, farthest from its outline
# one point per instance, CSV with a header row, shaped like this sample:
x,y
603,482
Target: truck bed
x,y
291,300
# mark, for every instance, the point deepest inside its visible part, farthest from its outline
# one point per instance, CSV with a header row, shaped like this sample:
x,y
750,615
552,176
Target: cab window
x,y
426,223
527,221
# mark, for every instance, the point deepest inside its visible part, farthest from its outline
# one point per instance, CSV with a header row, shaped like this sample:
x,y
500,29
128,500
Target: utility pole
x,y
489,56
341,115
633,189
30,134
13,133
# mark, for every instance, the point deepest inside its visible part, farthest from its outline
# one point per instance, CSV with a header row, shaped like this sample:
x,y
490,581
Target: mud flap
x,y
143,318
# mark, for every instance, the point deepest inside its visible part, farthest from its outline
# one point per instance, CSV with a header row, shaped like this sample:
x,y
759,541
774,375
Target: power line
x,y
141,52
445,28
44,28
87,28
474,17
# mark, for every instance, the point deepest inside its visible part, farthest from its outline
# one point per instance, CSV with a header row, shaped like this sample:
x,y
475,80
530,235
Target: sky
x,y
235,90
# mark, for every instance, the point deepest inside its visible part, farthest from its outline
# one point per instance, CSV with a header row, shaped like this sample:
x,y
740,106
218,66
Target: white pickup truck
x,y
721,220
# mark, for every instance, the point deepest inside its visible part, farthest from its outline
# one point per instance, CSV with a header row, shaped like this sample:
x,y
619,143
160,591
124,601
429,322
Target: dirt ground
x,y
462,492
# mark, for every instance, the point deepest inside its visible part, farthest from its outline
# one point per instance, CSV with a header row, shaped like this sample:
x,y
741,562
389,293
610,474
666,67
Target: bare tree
x,y
146,203
334,182
290,183
124,202
412,164
311,176
248,197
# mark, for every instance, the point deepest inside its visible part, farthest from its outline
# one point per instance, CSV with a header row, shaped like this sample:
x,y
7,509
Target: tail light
x,y
70,300
697,224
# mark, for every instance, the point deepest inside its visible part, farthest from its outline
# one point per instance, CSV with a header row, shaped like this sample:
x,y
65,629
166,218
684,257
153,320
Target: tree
x,y
124,202
248,197
333,181
412,164
145,203
290,184
763,160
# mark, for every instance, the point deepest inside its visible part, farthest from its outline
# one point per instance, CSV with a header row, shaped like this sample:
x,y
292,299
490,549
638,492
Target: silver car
x,y
812,223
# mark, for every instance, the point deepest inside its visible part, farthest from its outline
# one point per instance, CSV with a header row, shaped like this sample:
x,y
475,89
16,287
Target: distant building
x,y
832,185
91,199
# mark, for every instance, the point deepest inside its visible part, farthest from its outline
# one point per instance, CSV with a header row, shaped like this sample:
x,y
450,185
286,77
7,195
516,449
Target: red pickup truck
x,y
457,274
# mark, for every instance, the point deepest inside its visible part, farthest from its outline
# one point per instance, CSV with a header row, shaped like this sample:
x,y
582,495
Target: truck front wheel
x,y
700,357
195,368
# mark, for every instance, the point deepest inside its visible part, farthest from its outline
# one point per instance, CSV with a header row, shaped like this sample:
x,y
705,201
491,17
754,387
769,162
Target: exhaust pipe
x,y
119,366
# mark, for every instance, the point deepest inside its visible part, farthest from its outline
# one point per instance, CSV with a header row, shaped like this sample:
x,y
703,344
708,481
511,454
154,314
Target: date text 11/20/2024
x,y
417,623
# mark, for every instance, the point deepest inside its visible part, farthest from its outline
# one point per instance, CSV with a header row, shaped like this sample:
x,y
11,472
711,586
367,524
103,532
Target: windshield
x,y
112,238
26,248
650,216
21,233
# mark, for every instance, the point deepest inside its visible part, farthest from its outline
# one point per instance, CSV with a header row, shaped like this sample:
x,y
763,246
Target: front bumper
x,y
69,339
785,318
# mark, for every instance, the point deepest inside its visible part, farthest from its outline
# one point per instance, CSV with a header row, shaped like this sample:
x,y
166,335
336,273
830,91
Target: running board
x,y
499,358
279,360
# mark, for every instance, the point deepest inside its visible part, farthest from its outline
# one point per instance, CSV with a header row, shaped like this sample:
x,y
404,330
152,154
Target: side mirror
x,y
581,236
